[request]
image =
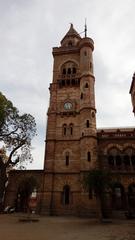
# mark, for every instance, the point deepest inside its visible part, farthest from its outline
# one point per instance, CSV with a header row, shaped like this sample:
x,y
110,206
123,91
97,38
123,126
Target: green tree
x,y
98,181
26,187
16,134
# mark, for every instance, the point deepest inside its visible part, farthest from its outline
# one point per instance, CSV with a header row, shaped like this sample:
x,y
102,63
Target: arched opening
x,y
110,160
90,65
86,85
69,71
64,129
68,82
114,158
118,197
25,189
73,82
118,161
131,196
69,67
67,159
74,70
66,195
81,96
126,161
71,129
133,161
88,156
64,71
87,124
63,83
70,43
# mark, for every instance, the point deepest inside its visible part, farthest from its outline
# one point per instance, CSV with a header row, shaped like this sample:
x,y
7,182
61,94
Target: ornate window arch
x,y
69,67
114,157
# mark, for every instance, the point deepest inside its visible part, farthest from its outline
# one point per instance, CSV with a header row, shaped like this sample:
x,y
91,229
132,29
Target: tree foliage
x,y
16,131
16,134
98,181
27,186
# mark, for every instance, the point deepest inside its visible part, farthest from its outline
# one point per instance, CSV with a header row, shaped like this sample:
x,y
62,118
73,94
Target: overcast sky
x,y
28,31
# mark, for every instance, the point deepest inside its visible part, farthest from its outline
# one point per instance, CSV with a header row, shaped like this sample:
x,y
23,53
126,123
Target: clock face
x,y
67,105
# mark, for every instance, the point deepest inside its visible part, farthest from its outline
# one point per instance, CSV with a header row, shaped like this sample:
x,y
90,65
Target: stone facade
x,y
73,143
71,140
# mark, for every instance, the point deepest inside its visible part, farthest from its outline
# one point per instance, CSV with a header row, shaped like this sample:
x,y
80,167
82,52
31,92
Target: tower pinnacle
x,y
85,28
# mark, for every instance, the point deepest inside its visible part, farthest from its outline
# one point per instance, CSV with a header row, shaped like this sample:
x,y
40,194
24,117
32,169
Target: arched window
x,y
86,85
118,196
68,82
63,83
93,114
81,95
110,160
64,71
118,160
66,195
73,82
131,195
74,70
90,65
129,157
126,160
71,129
133,160
70,43
114,158
67,159
64,129
87,124
69,67
88,156
69,71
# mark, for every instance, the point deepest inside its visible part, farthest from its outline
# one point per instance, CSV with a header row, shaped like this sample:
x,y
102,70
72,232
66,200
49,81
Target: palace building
x,y
74,145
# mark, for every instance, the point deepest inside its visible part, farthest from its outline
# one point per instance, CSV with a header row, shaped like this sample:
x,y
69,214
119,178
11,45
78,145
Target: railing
x,y
68,76
116,134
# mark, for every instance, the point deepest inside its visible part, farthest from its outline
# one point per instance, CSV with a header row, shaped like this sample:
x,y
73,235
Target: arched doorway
x,y
131,196
25,189
118,197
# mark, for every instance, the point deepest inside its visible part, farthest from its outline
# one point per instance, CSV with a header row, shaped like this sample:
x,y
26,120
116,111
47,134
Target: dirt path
x,y
64,228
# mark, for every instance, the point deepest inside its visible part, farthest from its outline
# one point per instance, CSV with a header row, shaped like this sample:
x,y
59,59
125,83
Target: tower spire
x,y
85,28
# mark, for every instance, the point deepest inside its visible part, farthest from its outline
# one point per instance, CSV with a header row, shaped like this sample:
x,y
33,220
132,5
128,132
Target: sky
x,y
28,31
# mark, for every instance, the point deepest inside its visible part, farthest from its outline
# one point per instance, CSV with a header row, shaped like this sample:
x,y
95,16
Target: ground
x,y
64,228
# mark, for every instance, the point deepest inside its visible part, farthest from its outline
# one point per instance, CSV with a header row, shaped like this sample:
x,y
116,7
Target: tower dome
x,y
71,38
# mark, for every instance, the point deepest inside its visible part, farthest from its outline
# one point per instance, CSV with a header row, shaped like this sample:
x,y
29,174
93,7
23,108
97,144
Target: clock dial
x,y
67,105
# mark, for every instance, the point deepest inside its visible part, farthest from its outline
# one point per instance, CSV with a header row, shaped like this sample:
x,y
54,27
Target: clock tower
x,y
71,140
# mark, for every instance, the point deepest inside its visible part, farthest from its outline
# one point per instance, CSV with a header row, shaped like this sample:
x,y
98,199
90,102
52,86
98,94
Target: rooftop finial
x,y
85,28
71,25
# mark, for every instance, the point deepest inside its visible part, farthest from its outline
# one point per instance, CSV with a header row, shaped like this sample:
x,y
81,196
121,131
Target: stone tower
x,y
71,141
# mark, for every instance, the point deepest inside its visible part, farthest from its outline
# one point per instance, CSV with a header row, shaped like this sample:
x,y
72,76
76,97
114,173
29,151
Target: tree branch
x,y
13,151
